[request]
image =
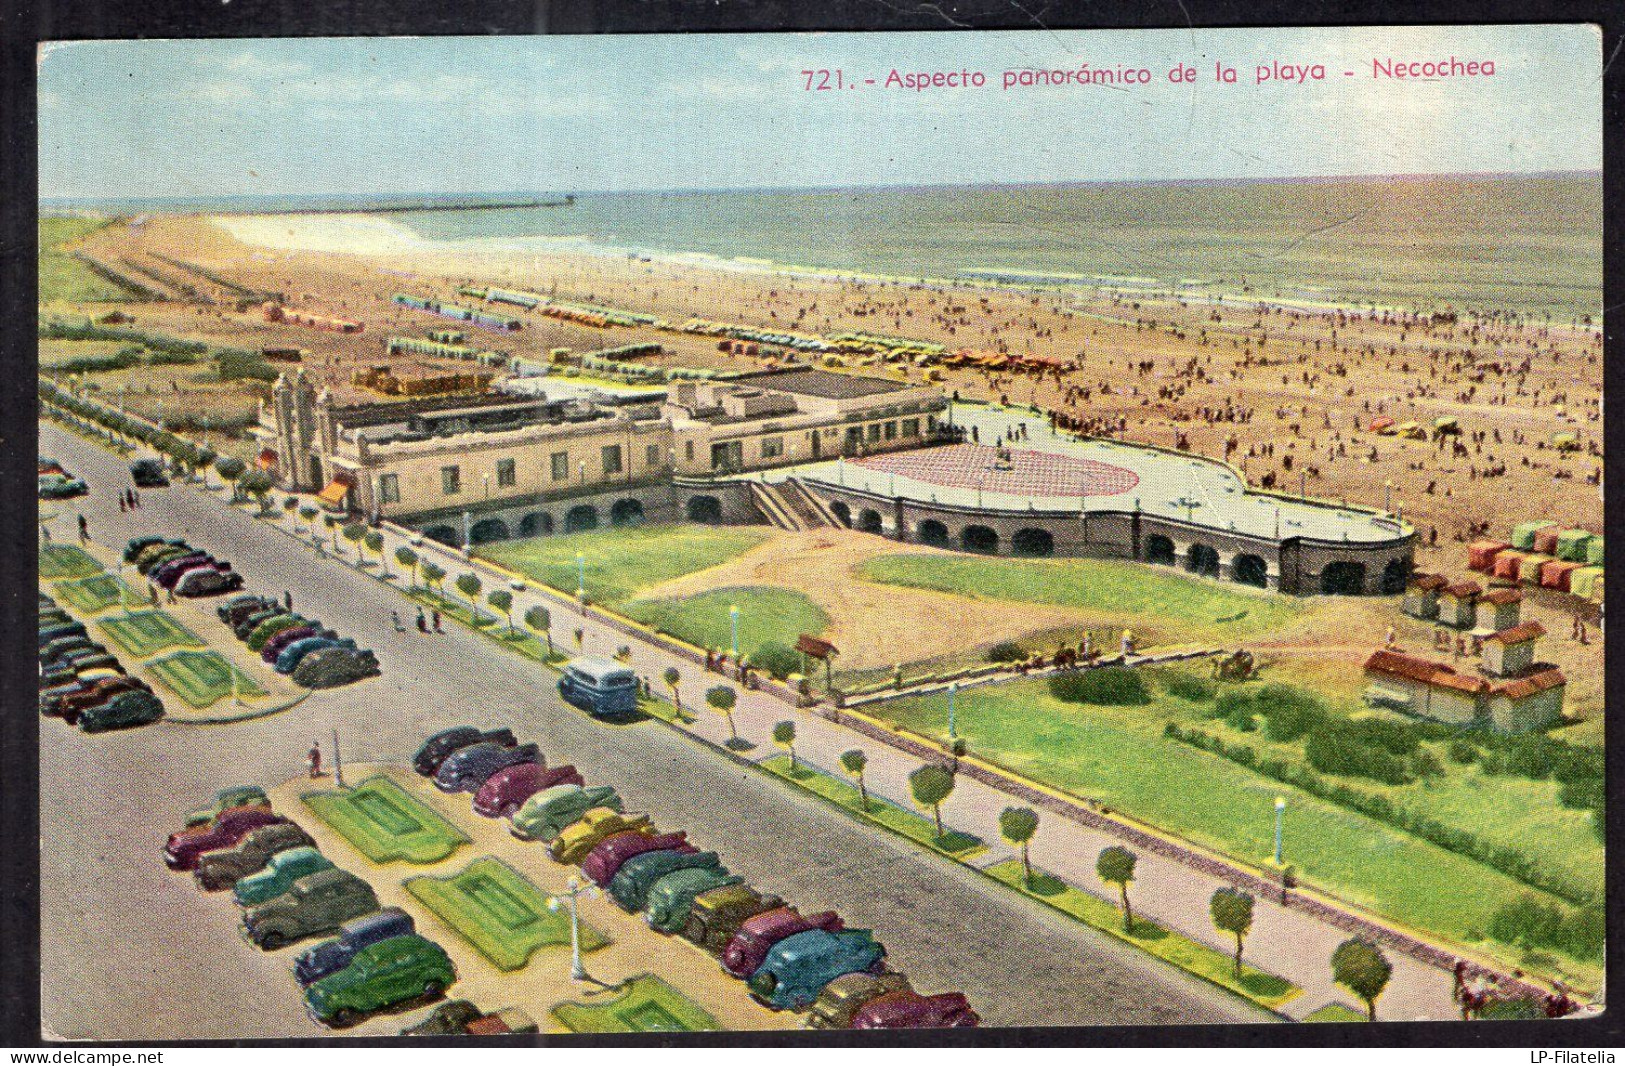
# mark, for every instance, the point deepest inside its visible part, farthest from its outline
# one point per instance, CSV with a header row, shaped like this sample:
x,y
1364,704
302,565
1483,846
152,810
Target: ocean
x,y
1528,244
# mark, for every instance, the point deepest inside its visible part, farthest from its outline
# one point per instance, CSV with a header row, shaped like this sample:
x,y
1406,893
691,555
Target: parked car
x,y
274,646
185,848
271,627
504,1022
670,900
227,799
842,997
546,814
288,661
451,1018
134,546
55,677
251,621
59,630
505,791
603,687
123,710
148,474
331,956
163,546
717,915
239,607
151,560
798,967
469,768
435,750
279,874
166,573
605,861
222,869
630,887
61,487
758,934
52,616
61,646
576,841
68,702
317,904
908,1009
207,581
386,974
335,666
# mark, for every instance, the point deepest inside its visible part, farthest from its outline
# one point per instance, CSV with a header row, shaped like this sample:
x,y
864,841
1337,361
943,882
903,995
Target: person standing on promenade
x,y
84,530
313,760
437,628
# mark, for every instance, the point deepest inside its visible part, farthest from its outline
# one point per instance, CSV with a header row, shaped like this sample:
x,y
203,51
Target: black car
x,y
439,747
148,474
237,608
466,769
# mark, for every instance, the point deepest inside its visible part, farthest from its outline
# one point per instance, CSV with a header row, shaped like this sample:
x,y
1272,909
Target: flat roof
x,y
826,384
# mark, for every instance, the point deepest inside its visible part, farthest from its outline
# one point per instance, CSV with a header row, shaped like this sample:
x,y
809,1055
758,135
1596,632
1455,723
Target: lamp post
x,y
573,894
1280,809
487,479
1387,495
953,690
338,762
581,575
733,624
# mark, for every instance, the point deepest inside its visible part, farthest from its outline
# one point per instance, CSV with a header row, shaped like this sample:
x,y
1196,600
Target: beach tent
x,y
1381,425
1594,552
1481,554
1411,431
1556,575
1446,424
1546,540
1586,581
1523,534
1571,545
1566,442
1507,564
1529,569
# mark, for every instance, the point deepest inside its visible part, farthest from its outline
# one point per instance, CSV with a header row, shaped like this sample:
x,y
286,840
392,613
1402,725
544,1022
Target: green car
x,y
385,974
672,897
284,868
630,886
271,627
546,814
225,800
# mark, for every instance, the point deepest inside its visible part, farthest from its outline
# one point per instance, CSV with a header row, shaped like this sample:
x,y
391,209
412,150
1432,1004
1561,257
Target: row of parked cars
x,y
55,483
82,682
289,891
175,565
312,654
788,960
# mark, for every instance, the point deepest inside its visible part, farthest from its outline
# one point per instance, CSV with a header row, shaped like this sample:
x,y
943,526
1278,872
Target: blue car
x,y
331,956
798,967
466,769
291,656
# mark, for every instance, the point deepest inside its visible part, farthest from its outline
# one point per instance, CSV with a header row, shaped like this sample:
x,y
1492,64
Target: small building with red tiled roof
x,y
1422,687
1457,604
1511,652
1422,595
1534,701
1496,610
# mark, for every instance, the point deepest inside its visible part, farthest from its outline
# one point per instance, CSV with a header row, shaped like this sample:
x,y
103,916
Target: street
x,y
131,951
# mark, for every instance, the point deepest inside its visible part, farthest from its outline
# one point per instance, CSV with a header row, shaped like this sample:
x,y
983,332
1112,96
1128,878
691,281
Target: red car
x,y
748,949
606,859
69,704
910,1010
184,848
507,790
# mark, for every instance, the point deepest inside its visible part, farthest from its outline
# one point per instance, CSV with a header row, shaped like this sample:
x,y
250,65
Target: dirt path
x,y
873,625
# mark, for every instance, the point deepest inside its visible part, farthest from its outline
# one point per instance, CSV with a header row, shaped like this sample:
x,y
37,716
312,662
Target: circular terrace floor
x,y
1033,474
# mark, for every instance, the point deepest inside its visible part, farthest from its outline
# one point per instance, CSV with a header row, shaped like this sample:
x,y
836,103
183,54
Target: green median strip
x,y
649,1005
386,823
884,813
1262,988
58,561
499,911
1335,1012
146,633
203,677
88,595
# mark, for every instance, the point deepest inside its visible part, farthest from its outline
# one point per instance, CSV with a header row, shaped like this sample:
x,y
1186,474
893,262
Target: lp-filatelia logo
x,y
1562,1057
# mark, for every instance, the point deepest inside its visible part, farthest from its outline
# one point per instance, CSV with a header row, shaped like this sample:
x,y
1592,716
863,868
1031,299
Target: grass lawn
x,y
1184,608
497,910
386,823
1335,1012
202,677
92,594
58,561
1215,966
649,1005
63,278
620,562
765,614
1119,757
147,633
916,827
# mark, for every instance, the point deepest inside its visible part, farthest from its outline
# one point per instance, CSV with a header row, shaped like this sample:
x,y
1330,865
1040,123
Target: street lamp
x,y
573,893
1387,495
487,479
581,574
1280,809
953,690
733,623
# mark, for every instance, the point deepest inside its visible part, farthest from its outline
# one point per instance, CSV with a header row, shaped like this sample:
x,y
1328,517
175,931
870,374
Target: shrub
x,y
779,660
1188,686
1112,686
1007,651
1289,712
1463,752
234,364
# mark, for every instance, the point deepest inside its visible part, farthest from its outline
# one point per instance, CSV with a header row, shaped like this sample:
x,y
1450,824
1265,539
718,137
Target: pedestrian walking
x,y
437,628
135,495
84,530
423,623
395,619
313,760
121,507
287,600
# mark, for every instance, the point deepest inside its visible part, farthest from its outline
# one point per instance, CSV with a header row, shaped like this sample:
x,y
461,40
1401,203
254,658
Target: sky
x,y
588,114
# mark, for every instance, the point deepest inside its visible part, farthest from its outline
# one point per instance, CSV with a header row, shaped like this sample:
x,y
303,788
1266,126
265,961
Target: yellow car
x,y
577,840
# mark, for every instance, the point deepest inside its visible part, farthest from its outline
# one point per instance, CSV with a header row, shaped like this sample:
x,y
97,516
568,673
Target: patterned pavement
x,y
1022,473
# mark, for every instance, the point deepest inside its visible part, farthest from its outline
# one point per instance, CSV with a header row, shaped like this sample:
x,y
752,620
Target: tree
x,y
206,457
408,559
1360,967
257,483
374,542
230,469
502,600
308,513
433,574
1232,911
778,660
469,585
673,678
353,532
854,762
332,524
784,735
1116,867
1018,825
290,507
722,699
538,619
932,785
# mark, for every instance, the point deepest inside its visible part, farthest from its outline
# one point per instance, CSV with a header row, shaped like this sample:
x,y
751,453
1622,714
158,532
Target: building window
x,y
891,430
652,457
561,466
612,459
772,447
874,431
389,488
506,477
911,427
930,422
688,451
451,480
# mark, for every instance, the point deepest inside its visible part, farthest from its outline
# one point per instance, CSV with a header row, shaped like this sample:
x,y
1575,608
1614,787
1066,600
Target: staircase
x,y
812,511
771,503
